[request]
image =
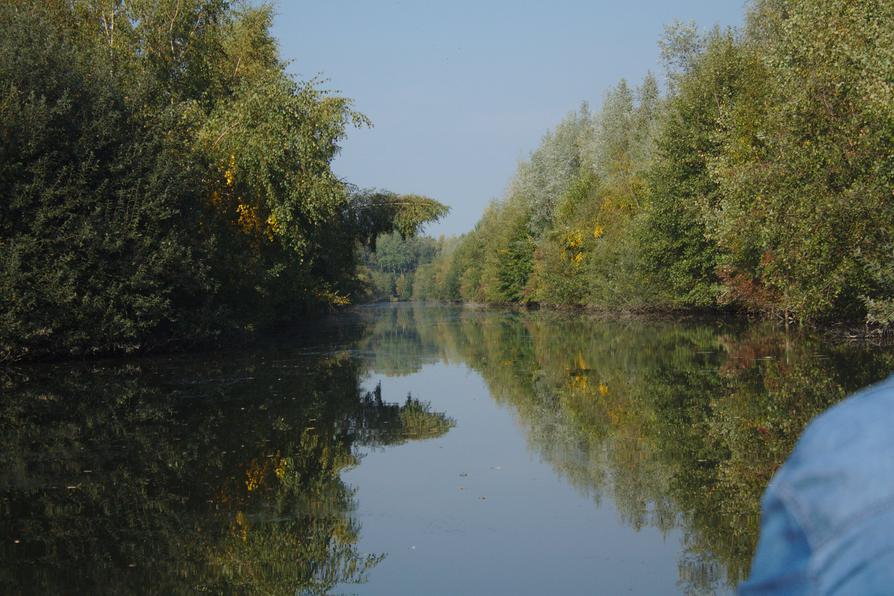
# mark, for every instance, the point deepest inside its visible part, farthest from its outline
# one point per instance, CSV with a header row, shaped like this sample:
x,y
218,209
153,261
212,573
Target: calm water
x,y
413,450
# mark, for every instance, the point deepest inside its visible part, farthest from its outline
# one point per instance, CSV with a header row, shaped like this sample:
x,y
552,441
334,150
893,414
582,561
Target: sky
x,y
460,91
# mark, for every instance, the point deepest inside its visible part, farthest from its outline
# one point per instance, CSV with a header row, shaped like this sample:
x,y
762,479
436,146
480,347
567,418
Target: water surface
x,y
413,449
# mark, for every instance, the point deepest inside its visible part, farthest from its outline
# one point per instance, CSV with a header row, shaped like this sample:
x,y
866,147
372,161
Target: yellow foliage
x,y
248,218
242,526
578,258
332,297
603,389
281,468
574,239
581,363
580,382
251,223
579,377
272,226
598,231
230,172
254,475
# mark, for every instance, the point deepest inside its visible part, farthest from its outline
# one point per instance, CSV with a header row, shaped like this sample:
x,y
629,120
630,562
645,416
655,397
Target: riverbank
x,y
852,331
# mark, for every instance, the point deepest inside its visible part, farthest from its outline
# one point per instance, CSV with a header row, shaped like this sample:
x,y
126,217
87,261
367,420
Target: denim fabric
x,y
827,517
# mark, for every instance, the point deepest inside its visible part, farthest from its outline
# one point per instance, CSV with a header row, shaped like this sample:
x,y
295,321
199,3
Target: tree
x,y
678,253
167,180
806,172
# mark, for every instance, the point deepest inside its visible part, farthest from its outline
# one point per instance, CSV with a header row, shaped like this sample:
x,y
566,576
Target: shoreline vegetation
x,y
167,183
835,331
760,182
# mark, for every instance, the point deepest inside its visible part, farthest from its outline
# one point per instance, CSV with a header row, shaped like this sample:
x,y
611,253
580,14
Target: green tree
x,y
806,170
167,180
101,239
678,254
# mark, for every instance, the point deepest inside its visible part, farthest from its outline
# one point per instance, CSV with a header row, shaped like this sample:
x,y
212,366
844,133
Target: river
x,y
413,449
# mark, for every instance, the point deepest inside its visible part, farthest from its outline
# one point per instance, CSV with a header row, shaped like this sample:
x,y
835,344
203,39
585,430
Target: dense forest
x,y
760,181
165,180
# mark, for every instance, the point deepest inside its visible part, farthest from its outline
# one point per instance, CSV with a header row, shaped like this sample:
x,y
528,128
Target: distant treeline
x,y
762,180
164,180
389,267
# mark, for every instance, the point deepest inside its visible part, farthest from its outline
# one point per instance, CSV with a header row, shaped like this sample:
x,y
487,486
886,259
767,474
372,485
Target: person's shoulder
x,y
842,469
862,419
834,496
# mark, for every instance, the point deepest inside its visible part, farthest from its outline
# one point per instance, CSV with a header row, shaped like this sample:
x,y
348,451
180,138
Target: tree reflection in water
x,y
199,474
681,424
221,473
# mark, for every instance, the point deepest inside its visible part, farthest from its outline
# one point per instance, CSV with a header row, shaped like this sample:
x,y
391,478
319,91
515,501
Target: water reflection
x,y
223,473
681,425
210,474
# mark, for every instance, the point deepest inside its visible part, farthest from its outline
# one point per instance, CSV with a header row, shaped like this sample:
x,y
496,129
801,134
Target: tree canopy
x,y
759,181
166,181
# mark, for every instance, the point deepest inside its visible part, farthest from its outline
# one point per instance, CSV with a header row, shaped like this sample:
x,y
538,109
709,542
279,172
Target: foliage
x,y
214,474
806,170
100,225
679,259
166,181
681,424
391,267
761,181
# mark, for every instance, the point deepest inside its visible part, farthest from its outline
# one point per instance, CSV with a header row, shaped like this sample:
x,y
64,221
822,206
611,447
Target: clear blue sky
x,y
459,90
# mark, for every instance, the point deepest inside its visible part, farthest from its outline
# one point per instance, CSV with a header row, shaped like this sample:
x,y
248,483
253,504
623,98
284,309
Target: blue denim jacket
x,y
827,517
